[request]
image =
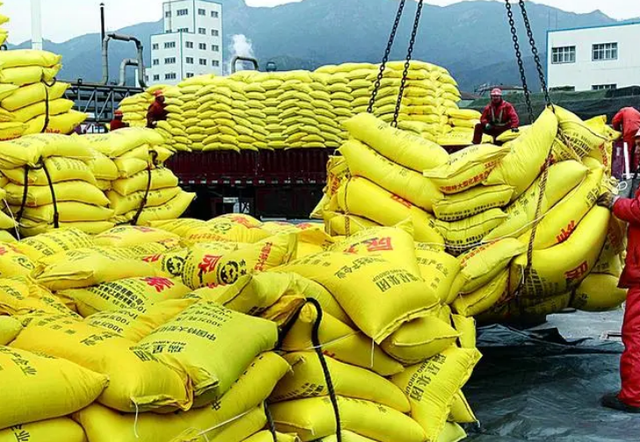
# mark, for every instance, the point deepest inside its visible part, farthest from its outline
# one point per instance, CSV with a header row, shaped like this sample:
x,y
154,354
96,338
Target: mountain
x,y
472,39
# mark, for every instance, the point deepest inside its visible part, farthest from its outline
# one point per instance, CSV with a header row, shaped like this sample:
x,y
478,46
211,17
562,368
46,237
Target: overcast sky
x,y
65,19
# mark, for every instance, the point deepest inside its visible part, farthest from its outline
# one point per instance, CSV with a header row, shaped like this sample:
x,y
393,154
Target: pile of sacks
x,y
144,325
299,109
462,123
479,205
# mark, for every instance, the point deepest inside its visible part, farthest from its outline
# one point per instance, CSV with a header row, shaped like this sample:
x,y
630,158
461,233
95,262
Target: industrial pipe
x,y
123,69
235,61
105,57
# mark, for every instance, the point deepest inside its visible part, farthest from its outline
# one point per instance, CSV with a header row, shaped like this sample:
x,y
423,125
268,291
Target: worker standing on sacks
x,y
628,400
117,122
627,121
498,117
157,111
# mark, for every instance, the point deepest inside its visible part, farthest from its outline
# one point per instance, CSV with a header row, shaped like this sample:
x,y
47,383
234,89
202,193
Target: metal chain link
x,y
407,64
523,74
536,54
387,53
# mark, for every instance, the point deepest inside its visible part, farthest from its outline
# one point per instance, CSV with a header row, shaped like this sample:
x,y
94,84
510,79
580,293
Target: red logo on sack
x,y
160,284
209,263
152,258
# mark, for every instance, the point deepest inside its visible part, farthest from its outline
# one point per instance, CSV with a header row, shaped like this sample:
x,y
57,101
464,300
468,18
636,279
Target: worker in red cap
x,y
157,111
627,121
117,122
498,117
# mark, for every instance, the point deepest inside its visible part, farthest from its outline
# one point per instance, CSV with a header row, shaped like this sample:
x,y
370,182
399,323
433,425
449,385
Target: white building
x,y
191,44
594,58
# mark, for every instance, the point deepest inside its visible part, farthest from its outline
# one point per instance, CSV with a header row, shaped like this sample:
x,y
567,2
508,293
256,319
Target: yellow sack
x,y
145,385
217,263
347,436
221,230
610,260
56,107
314,418
235,431
127,236
124,204
68,387
394,244
356,197
59,168
26,75
452,432
482,264
462,137
179,226
466,168
461,411
399,146
406,183
432,386
9,329
58,241
28,57
19,296
467,329
522,165
13,262
9,90
87,267
562,179
53,430
132,293
266,436
598,293
460,236
77,191
338,224
485,297
420,339
575,139
68,211
135,324
307,380
439,270
561,268
472,202
171,210
58,124
252,388
115,144
160,179
377,295
206,329
12,130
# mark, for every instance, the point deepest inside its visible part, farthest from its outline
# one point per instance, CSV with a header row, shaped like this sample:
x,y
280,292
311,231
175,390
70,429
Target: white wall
x,y
585,72
195,23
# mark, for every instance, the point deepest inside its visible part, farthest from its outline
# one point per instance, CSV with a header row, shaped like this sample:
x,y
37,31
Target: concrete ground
x,y
586,325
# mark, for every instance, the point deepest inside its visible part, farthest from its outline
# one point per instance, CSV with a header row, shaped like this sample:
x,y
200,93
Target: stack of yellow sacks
x,y
463,123
483,199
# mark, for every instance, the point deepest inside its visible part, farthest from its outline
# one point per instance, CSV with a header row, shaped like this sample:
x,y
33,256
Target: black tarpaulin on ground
x,y
537,386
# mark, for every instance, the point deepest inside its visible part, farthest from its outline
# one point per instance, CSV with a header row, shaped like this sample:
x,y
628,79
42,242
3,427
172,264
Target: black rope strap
x,y
46,101
145,198
385,59
25,193
56,214
270,423
317,345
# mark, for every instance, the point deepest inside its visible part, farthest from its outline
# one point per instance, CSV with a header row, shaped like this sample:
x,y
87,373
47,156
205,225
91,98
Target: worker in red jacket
x,y
628,400
498,117
117,122
627,121
157,111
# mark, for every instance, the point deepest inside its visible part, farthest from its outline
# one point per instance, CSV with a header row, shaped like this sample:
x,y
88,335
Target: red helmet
x,y
497,92
118,113
158,93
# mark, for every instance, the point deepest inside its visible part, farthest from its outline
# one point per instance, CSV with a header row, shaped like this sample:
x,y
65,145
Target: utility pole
x,y
36,24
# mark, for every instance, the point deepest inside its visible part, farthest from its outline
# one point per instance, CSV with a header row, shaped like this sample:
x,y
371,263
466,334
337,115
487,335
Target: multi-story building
x,y
191,43
594,58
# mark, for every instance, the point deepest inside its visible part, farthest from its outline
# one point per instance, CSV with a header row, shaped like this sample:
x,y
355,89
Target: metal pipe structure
x,y
123,69
235,61
103,26
105,57
36,24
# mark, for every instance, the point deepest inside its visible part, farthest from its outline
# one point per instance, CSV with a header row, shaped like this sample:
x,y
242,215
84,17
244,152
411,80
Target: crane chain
x,y
387,53
407,64
523,74
536,54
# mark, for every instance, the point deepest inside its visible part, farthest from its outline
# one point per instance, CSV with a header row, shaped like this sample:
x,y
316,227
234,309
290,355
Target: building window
x,y
183,29
203,46
215,48
202,31
189,74
214,14
168,31
202,12
603,87
203,62
182,12
167,14
170,60
605,51
189,60
156,46
170,76
156,62
564,54
215,63
170,45
156,77
189,45
215,33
